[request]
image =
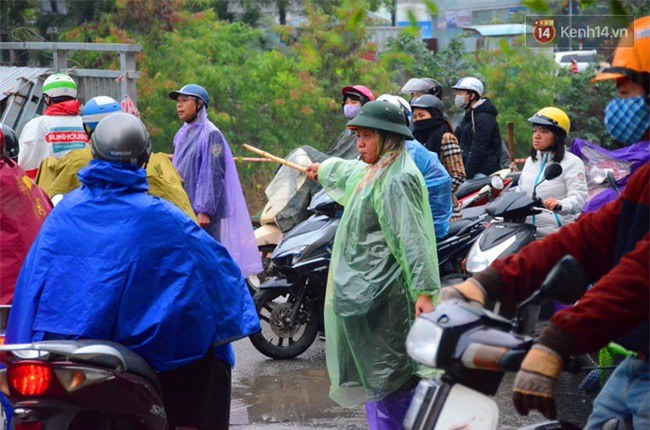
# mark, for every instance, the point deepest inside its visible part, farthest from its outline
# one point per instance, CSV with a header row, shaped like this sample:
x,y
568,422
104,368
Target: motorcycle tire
x,y
254,281
280,340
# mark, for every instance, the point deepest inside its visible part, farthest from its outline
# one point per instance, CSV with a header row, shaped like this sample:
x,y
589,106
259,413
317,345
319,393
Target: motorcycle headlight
x,y
476,262
423,341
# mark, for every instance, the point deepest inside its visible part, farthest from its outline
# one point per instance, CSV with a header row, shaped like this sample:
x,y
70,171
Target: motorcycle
x,y
288,195
508,231
290,303
474,347
479,192
80,384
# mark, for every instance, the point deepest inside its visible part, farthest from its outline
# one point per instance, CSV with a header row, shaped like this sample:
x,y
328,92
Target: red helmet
x,y
359,90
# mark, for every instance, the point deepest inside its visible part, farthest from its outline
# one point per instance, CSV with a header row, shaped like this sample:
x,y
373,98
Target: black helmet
x,y
8,143
428,102
423,85
123,138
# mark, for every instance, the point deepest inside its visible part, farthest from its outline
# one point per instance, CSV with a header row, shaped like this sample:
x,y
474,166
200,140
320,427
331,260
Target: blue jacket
x,y
438,184
112,262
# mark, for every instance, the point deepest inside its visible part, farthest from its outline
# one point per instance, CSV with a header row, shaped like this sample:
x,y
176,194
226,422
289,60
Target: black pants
x,y
198,395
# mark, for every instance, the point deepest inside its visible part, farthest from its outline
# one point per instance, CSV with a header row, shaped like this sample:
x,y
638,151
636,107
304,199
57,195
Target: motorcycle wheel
x,y
254,281
282,339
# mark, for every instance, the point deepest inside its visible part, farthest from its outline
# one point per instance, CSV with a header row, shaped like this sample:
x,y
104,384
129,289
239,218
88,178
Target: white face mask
x,y
460,101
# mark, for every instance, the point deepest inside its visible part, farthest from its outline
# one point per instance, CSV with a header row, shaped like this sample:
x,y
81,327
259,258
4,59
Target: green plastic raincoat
x,y
384,257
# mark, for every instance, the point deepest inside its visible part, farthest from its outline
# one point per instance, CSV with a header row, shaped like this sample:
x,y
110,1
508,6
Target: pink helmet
x,y
359,90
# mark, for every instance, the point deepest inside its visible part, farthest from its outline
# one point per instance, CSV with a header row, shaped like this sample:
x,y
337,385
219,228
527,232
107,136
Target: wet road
x,y
292,394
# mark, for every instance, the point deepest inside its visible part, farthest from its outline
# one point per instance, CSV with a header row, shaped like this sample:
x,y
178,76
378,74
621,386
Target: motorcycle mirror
x,y
565,283
552,171
497,183
612,181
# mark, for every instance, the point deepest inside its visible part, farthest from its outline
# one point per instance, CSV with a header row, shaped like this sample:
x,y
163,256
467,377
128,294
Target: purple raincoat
x,y
204,161
623,162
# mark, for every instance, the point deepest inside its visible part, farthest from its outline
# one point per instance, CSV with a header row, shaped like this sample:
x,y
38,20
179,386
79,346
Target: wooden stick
x,y
274,158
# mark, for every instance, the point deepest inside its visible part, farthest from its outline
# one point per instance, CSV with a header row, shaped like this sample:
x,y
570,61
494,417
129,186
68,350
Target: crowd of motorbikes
x,y
103,385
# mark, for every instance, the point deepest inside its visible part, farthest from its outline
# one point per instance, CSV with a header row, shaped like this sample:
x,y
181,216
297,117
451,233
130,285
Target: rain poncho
x,y
384,257
112,262
623,162
59,176
23,208
438,184
204,161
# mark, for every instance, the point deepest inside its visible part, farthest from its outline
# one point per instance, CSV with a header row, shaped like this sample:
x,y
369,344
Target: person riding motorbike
x,y
56,133
435,132
613,246
569,191
23,208
478,131
417,87
627,117
59,176
114,263
354,97
436,178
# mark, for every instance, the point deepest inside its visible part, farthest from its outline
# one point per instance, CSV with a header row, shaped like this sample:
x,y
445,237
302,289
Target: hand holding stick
x,y
274,158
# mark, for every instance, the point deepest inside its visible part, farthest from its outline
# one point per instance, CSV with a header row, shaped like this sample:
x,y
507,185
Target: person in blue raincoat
x,y
384,268
112,262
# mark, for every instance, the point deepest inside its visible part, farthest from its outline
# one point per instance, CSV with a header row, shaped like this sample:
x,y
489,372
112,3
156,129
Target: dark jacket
x,y
480,139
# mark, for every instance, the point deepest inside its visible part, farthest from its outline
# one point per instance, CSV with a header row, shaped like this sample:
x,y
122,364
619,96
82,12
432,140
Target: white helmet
x,y
470,84
398,101
59,85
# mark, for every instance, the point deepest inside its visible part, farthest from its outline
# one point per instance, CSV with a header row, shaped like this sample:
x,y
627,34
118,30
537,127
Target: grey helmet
x,y
123,138
428,102
423,85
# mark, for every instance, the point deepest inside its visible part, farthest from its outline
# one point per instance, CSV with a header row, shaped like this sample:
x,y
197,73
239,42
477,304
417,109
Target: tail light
x,y
38,425
30,378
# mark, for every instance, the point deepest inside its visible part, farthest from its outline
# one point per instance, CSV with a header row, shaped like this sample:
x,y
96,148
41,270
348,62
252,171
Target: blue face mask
x,y
351,111
627,119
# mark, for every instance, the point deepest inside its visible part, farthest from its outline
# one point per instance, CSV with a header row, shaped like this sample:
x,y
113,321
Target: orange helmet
x,y
632,57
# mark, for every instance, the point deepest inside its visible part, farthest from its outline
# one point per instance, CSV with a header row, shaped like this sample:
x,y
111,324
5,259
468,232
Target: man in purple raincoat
x,y
204,161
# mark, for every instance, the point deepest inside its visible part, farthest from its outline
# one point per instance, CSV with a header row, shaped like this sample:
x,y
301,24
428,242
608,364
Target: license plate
x,y
421,404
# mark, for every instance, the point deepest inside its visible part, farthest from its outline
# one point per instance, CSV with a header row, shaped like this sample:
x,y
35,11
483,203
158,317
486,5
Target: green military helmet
x,y
379,115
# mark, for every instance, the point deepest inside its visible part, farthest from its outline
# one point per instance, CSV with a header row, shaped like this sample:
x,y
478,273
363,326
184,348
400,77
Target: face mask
x,y
460,101
627,119
350,111
423,128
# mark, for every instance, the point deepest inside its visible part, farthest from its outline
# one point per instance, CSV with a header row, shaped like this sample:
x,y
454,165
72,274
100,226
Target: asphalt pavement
x,y
293,395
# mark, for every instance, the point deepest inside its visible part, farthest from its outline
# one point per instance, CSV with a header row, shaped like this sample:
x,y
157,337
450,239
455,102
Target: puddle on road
x,y
298,396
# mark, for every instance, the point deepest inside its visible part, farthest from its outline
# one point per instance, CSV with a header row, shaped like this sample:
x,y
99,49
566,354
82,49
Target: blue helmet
x,y
96,109
192,90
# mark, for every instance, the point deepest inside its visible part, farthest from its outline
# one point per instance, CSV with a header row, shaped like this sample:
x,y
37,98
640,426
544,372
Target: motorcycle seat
x,y
134,363
471,185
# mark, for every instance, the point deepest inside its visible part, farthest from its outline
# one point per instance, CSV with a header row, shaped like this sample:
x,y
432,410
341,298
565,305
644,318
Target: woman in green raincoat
x,y
384,269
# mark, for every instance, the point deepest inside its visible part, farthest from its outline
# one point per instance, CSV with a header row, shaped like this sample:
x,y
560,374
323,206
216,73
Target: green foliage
x,y
585,104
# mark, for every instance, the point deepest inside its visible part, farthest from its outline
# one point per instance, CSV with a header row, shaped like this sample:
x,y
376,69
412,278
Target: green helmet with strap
x,y
60,85
379,115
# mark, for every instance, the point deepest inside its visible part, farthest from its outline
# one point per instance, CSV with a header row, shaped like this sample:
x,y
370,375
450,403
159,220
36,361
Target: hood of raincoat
x,y
112,262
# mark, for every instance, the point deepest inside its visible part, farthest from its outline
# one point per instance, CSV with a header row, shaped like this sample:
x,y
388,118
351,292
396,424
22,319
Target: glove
x,y
469,291
535,381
